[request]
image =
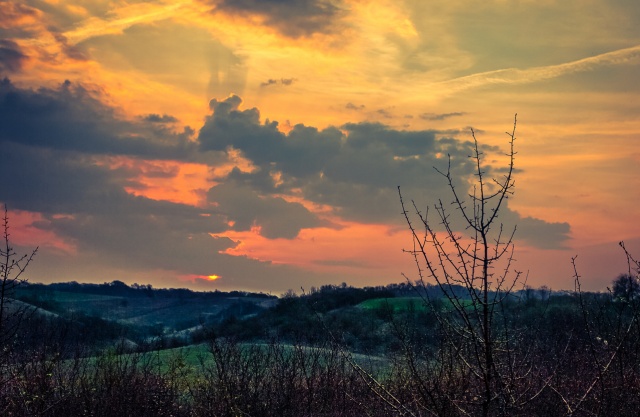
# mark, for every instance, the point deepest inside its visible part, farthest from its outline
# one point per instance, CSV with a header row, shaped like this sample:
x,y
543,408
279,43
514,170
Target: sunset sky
x,y
259,144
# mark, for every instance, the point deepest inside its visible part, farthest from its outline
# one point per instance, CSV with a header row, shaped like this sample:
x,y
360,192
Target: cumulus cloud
x,y
355,169
292,18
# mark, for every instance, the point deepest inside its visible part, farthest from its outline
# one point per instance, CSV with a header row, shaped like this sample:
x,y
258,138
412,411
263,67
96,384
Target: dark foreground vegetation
x,y
474,342
339,351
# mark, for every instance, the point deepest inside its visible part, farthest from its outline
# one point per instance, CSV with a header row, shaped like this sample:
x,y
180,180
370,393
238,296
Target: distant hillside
x,y
139,312
102,314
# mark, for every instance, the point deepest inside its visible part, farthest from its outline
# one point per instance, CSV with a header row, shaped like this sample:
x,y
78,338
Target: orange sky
x,y
262,141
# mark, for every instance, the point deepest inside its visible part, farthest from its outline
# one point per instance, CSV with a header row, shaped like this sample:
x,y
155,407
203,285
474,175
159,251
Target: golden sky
x,y
261,142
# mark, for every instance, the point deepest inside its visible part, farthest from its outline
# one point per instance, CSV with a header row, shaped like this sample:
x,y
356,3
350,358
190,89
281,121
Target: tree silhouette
x,y
626,287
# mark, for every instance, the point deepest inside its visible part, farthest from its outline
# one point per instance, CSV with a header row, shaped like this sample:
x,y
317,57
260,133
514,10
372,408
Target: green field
x,y
397,304
409,303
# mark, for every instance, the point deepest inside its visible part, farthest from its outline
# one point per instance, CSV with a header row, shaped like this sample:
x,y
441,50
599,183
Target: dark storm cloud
x,y
292,18
355,169
440,116
71,118
11,56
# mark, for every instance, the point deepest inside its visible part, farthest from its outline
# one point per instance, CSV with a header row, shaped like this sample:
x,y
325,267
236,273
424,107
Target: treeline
x,y
338,309
120,289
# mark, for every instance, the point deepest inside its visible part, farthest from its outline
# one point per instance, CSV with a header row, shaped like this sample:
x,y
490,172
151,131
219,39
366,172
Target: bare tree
x,y
12,269
474,270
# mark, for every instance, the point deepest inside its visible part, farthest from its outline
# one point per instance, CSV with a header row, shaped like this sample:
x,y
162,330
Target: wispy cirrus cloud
x,y
530,75
124,18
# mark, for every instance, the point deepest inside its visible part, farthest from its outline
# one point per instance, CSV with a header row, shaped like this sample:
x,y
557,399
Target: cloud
x,y
159,52
59,148
11,56
530,75
156,118
385,113
440,116
17,15
351,106
275,217
292,18
541,234
72,118
82,199
227,71
117,235
56,146
353,170
69,50
62,153
99,215
282,81
121,18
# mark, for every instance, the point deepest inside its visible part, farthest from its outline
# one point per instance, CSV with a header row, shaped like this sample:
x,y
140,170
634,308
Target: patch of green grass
x,y
397,304
408,303
190,359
